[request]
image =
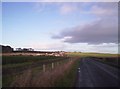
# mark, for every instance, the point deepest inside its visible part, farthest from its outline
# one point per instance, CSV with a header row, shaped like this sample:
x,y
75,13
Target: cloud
x,y
67,8
100,9
80,47
105,48
99,48
62,7
105,9
103,30
42,6
48,46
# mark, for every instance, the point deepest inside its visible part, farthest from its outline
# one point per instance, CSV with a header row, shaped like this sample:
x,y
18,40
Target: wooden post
x,y
52,65
43,67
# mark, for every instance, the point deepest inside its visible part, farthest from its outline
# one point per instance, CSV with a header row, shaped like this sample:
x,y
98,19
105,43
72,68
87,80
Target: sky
x,y
63,26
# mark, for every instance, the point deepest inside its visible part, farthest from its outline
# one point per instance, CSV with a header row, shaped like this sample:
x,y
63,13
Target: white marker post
x,y
43,67
78,69
52,65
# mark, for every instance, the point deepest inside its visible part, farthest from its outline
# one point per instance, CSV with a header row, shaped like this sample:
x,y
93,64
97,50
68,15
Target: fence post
x,y
52,65
43,67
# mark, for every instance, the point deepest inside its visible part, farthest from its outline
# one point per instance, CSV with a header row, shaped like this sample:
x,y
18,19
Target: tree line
x,y
5,49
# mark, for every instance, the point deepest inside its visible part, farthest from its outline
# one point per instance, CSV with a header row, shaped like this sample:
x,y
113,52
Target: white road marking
x,y
79,68
78,71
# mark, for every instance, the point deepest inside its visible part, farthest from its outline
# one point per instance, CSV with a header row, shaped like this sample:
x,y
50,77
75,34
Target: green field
x,y
70,77
18,65
110,59
22,59
91,54
14,65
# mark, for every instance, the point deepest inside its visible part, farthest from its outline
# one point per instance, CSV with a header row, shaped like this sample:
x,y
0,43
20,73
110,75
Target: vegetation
x,y
48,78
79,54
6,49
27,71
110,59
68,80
21,59
16,65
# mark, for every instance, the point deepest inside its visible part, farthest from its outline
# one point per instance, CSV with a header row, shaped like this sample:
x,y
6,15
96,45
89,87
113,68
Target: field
x,y
91,54
18,70
110,59
47,71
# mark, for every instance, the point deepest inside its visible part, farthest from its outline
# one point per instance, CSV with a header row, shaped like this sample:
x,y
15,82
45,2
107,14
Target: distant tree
x,y
75,51
25,49
30,49
18,49
6,49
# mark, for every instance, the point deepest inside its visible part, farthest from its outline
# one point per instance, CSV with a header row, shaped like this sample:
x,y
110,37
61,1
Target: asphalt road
x,y
92,73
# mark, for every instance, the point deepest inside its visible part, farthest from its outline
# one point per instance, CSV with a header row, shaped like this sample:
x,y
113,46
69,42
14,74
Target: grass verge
x,y
65,73
68,80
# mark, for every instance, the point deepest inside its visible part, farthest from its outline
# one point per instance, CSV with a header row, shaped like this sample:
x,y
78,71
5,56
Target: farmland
x,y
47,71
15,67
110,59
79,54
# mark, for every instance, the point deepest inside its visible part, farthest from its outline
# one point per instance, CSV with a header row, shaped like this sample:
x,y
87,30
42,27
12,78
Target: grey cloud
x,y
57,37
100,31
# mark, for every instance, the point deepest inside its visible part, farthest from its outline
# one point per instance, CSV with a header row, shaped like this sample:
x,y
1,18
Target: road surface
x,y
92,73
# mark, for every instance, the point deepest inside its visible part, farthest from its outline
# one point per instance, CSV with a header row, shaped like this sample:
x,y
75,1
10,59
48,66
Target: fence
x,y
50,66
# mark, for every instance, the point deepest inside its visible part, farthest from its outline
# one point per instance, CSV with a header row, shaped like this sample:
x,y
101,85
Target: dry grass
x,y
23,80
43,79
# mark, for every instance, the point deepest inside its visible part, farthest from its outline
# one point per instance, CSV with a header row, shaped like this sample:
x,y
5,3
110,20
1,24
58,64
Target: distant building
x,y
30,49
24,49
18,49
